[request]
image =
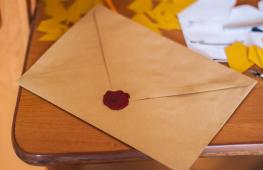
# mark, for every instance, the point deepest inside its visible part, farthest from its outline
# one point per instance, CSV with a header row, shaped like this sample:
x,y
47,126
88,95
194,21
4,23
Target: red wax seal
x,y
116,100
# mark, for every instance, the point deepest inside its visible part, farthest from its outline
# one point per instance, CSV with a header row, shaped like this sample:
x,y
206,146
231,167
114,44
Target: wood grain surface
x,y
45,134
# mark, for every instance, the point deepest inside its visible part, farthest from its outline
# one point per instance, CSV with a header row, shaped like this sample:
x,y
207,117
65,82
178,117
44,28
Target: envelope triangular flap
x,y
65,68
148,65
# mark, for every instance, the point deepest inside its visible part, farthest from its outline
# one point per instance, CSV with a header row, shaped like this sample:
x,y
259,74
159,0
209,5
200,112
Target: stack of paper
x,y
211,25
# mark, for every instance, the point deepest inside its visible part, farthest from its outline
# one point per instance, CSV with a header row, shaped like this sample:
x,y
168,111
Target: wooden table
x,y
43,134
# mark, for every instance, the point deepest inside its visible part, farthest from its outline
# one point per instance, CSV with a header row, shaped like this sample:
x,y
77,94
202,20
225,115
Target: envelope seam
x,y
195,92
101,47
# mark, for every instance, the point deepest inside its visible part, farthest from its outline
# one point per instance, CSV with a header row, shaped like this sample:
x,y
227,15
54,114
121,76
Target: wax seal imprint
x,y
116,100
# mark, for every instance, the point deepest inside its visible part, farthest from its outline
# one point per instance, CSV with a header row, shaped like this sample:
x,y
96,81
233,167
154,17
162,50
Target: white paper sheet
x,y
255,38
203,26
244,15
260,5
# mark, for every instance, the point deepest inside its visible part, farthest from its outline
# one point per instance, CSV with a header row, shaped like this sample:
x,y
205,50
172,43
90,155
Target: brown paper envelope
x,y
179,99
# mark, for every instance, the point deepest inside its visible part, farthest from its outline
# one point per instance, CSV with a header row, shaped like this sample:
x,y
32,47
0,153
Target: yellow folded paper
x,y
162,16
237,57
144,20
254,56
177,97
62,18
260,56
141,6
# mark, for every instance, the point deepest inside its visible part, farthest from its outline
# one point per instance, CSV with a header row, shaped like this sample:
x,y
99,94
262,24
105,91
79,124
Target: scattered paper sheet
x,y
62,18
237,56
162,16
140,7
203,26
244,16
144,20
204,19
260,5
241,57
254,57
260,55
255,38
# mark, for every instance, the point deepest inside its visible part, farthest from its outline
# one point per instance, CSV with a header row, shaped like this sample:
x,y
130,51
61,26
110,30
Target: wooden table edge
x,y
69,158
41,159
119,156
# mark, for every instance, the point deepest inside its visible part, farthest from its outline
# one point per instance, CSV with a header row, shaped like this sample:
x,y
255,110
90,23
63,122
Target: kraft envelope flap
x,y
177,97
157,67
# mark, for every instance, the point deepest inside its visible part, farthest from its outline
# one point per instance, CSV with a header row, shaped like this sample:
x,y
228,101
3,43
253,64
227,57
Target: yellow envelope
x,y
179,99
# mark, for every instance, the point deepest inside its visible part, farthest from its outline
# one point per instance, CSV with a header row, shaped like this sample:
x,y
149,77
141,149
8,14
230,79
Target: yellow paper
x,y
260,55
171,88
237,57
52,29
144,20
253,56
140,6
79,8
61,18
163,15
51,36
52,26
55,9
182,4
